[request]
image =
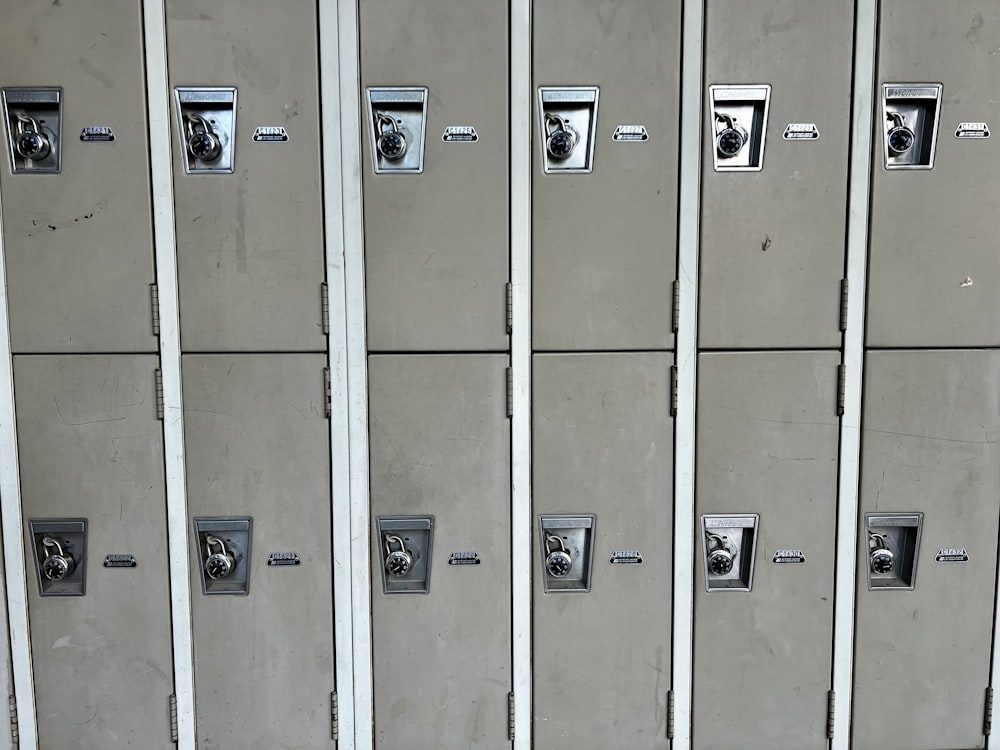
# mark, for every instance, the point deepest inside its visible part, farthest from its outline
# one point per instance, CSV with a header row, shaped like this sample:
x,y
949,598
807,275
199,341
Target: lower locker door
x,y
440,447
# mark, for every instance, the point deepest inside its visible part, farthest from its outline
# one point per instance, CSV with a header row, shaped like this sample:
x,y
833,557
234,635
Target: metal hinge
x,y
670,714
324,294
173,718
843,304
15,735
154,301
510,716
510,391
673,390
334,718
327,392
831,708
510,308
841,388
988,713
158,375
675,320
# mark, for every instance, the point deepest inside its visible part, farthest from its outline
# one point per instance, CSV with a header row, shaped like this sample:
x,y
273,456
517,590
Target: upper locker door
x,y
249,217
605,216
76,222
766,504
435,174
603,452
440,493
933,269
922,650
774,187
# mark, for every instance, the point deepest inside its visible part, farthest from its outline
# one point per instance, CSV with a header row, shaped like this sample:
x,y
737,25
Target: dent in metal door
x,y
90,446
932,259
604,243
603,445
772,241
929,445
440,446
78,244
250,244
257,444
767,444
436,241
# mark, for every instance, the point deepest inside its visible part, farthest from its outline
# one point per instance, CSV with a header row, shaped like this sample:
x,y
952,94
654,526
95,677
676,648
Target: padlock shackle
x,y
722,544
49,541
382,119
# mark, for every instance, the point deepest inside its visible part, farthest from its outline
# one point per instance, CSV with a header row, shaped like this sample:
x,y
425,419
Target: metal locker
x,y
77,241
91,448
932,257
766,445
929,445
604,242
436,238
772,236
440,447
603,445
257,445
250,243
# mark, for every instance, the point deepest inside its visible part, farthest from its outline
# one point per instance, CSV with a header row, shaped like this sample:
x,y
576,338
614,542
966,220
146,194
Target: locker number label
x,y
464,558
626,557
952,554
972,130
788,556
270,134
630,134
801,131
97,134
460,134
283,558
120,561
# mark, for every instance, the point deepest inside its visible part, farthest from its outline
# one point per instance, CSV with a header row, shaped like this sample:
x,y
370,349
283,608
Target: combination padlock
x,y
560,137
397,561
721,555
29,141
202,142
391,143
880,556
732,138
57,565
900,138
557,561
218,565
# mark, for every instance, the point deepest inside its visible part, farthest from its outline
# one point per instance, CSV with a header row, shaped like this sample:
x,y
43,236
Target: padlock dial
x,y
560,144
882,561
559,564
55,568
900,140
720,562
218,567
204,146
32,145
398,564
392,145
730,142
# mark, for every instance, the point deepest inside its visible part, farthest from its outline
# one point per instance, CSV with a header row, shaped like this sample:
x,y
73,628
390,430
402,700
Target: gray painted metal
x,y
933,232
440,444
436,244
258,445
772,242
91,447
250,244
930,444
603,244
767,442
603,444
78,244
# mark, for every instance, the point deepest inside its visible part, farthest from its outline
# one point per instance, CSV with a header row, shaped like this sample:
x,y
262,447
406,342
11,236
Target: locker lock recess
x,y
739,126
33,123
910,116
730,549
568,128
207,126
60,555
397,120
405,551
224,554
567,551
893,541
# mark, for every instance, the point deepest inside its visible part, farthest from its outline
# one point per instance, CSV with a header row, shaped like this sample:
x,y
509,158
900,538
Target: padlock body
x,y
561,144
204,146
32,145
219,566
882,561
558,564
392,145
398,563
720,562
730,142
57,567
900,140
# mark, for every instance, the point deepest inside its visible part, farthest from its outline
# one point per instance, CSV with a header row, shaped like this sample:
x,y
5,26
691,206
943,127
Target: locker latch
x,y
33,123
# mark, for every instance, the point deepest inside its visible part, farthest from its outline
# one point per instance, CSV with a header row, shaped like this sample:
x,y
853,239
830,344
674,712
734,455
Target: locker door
x,y
91,447
436,242
922,657
604,244
250,244
257,444
603,445
440,447
767,444
78,243
772,241
932,259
